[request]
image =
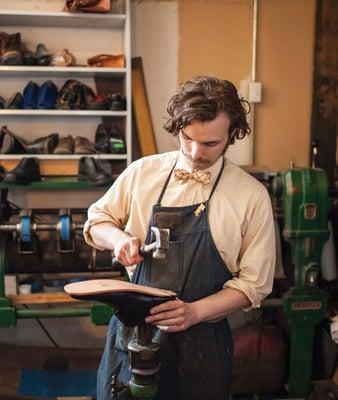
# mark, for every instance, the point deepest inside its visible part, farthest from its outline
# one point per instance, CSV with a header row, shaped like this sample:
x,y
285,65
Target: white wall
x,y
155,38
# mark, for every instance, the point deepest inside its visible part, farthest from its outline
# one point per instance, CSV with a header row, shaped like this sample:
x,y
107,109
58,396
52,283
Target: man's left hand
x,y
173,316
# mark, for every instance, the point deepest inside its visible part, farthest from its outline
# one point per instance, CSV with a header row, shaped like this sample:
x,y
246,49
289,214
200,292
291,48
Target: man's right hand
x,y
125,247
126,250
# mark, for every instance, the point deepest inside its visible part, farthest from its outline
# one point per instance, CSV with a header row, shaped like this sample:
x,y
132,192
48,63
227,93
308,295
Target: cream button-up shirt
x,y
240,214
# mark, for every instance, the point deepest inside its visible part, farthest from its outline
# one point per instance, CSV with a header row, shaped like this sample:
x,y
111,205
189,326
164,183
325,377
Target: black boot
x,y
43,145
91,171
11,143
25,172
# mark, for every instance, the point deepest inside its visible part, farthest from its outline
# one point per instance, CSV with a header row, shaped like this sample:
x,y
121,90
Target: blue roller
x,y
65,227
25,229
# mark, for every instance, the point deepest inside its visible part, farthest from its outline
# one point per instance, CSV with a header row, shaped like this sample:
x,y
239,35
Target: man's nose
x,y
196,151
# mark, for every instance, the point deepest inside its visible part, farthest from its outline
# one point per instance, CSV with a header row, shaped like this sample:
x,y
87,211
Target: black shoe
x,y
44,145
116,102
102,138
16,101
10,143
131,302
25,172
2,103
89,170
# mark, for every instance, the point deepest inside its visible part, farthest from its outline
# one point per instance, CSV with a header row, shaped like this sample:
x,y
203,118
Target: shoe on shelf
x,y
11,48
65,145
102,138
43,145
116,102
11,143
62,58
90,170
42,55
98,102
15,102
2,103
47,96
90,6
83,146
70,96
26,171
28,58
107,61
30,95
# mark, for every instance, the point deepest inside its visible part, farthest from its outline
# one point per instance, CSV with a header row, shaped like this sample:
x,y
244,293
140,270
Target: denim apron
x,y
196,363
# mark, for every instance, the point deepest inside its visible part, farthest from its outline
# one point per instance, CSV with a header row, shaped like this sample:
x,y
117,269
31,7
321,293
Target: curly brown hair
x,y
202,99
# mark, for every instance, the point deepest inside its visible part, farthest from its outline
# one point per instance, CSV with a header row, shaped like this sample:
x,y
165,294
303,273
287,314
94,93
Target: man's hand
x,y
126,250
173,316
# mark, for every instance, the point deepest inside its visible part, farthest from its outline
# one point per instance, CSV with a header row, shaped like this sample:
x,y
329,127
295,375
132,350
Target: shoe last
x,y
30,95
47,95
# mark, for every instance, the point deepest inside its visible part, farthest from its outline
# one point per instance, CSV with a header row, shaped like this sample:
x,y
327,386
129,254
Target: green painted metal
x,y
65,312
147,392
7,316
305,204
101,314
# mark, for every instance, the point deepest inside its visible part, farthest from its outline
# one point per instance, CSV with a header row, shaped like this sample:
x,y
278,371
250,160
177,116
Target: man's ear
x,y
232,136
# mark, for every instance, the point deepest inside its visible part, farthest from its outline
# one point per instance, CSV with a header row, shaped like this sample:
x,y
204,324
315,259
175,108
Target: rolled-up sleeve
x,y
113,207
257,256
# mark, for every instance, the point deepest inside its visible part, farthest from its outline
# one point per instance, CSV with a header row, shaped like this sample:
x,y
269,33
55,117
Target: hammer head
x,y
162,241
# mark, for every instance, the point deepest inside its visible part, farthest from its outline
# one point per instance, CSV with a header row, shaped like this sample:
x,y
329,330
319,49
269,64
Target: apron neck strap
x,y
165,185
217,180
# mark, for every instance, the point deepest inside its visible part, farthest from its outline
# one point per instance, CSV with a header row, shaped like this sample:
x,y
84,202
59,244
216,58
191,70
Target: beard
x,y
204,163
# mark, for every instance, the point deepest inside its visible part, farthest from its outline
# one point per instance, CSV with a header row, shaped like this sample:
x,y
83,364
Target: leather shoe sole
x,y
131,302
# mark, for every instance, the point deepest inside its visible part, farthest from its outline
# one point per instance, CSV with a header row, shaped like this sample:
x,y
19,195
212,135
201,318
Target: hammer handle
x,y
143,250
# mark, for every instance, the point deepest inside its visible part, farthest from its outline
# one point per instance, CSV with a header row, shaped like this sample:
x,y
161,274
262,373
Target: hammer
x,y
160,245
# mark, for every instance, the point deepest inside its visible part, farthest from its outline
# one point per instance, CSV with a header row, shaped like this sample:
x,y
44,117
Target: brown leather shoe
x,y
83,146
91,6
65,146
107,60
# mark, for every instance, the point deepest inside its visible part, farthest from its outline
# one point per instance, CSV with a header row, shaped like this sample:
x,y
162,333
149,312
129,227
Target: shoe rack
x,y
84,35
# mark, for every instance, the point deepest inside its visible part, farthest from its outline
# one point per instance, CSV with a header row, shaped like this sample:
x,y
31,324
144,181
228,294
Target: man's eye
x,y
211,144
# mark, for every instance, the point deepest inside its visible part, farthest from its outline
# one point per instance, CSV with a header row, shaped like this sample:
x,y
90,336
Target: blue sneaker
x,y
47,96
30,95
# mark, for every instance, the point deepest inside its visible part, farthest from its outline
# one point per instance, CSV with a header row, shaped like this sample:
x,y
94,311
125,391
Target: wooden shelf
x,y
41,298
76,71
61,19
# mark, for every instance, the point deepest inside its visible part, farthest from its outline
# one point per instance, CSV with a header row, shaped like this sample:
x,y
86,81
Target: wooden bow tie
x,y
196,174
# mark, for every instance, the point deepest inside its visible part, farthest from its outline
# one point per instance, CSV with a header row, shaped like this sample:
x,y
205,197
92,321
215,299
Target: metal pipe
x,y
38,227
253,74
53,313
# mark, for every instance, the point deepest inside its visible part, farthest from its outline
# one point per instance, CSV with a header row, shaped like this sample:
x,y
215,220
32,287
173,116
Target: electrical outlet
x,y
255,92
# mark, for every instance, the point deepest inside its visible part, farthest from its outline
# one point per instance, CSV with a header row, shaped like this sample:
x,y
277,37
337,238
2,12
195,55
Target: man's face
x,y
204,142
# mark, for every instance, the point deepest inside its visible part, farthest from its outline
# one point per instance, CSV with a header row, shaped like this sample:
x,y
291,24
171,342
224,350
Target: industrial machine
x,y
301,204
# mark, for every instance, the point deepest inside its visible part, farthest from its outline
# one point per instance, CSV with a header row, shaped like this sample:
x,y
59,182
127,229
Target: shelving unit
x,y
80,30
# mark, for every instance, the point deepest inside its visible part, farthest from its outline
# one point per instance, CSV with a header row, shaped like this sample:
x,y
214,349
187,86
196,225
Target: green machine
x,y
303,193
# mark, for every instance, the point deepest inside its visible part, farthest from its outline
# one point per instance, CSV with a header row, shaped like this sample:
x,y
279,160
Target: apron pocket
x,y
166,273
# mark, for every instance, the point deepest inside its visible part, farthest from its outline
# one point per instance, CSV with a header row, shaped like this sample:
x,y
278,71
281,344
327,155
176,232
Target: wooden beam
x,y
144,126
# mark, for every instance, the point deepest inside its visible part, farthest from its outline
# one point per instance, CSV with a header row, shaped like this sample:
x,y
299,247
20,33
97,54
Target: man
x,y
221,256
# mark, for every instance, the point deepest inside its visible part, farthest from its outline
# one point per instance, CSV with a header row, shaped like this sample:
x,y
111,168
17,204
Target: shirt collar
x,y
214,169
